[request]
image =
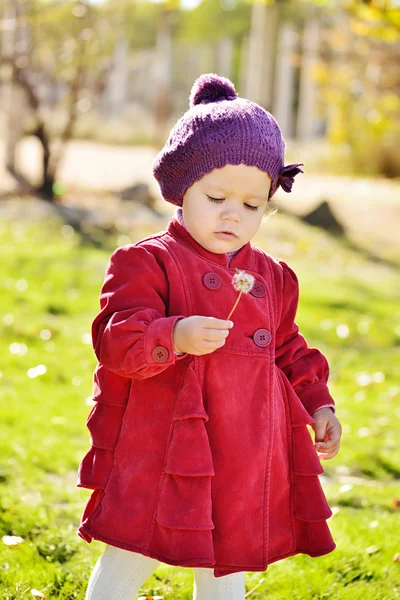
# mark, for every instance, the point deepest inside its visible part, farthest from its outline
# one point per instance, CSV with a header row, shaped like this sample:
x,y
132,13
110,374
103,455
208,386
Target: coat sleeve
x,y
132,335
306,368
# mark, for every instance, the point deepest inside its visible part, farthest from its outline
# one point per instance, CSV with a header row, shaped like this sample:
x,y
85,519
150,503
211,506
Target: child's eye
x,y
215,199
248,206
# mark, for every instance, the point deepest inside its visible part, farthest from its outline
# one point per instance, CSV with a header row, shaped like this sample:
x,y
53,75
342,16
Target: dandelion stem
x,y
235,305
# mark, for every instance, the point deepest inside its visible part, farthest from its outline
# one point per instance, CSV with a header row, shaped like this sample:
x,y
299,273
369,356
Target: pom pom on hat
x,y
211,88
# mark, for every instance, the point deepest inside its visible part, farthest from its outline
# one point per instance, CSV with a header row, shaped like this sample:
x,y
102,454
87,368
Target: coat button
x,y
160,354
212,281
262,337
258,290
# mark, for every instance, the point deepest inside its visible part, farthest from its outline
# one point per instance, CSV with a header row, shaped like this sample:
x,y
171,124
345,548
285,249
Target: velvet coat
x,y
203,461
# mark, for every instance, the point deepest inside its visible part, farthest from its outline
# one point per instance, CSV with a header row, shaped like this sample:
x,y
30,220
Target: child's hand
x,y
328,431
200,335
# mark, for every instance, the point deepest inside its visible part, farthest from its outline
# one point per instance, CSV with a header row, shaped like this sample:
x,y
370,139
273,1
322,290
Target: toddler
x,y
200,452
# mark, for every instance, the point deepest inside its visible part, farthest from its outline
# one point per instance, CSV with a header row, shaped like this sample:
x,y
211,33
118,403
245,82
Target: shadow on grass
x,y
330,225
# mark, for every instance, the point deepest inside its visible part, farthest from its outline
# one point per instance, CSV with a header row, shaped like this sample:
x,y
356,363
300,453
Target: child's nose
x,y
231,214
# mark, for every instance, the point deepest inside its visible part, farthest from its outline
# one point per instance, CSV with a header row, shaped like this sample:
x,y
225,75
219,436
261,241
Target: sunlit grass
x,y
49,295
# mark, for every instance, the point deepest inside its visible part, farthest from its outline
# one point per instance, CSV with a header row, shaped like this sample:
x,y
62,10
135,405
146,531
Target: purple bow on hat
x,y
287,175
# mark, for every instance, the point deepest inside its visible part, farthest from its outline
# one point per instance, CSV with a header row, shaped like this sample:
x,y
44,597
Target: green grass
x,y
49,295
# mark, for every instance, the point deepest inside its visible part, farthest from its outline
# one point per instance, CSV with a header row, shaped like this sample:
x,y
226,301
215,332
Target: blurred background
x,y
75,76
88,93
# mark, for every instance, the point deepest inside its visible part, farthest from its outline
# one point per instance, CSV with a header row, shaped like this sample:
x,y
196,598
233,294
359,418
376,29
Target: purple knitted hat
x,y
221,128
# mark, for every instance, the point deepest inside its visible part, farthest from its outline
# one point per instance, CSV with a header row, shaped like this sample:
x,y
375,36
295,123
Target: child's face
x,y
242,192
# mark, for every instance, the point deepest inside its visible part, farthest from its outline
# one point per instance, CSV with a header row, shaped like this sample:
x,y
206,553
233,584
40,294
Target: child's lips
x,y
225,235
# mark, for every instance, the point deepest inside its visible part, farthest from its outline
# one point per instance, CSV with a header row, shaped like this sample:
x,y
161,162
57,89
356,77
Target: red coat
x,y
203,461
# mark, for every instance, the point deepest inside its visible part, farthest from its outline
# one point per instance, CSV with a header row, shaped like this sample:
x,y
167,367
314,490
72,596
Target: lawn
x,y
349,308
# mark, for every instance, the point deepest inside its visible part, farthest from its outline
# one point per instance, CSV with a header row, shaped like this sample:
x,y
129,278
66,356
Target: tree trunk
x,y
284,84
225,57
260,54
46,189
307,92
10,94
117,88
163,80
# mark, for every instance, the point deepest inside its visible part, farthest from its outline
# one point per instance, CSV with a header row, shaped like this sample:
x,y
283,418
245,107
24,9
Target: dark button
x,y
258,290
160,354
212,281
262,337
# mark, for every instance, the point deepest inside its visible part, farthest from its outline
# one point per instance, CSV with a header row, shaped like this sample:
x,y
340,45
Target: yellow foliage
x,y
359,28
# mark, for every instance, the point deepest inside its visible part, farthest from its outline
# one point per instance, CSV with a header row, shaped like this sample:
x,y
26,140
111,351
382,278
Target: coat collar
x,y
242,260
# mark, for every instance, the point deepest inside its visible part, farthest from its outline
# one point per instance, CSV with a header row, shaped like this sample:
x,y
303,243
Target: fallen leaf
x,y
372,549
396,503
345,488
12,540
396,557
37,594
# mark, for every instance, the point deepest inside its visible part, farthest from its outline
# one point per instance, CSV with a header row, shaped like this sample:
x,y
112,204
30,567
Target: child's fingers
x,y
329,445
328,449
214,335
214,323
325,446
327,455
212,344
333,440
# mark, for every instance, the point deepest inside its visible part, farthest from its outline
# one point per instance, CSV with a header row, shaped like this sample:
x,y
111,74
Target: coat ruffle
x,y
310,506
104,423
184,522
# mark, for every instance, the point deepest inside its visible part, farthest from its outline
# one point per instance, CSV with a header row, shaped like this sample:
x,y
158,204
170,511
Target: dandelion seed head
x,y
242,281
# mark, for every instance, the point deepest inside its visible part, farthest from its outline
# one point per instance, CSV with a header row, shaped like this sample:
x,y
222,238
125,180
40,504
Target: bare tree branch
x,y
75,88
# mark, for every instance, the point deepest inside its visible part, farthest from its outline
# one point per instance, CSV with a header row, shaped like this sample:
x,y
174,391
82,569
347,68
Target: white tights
x,y
119,574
